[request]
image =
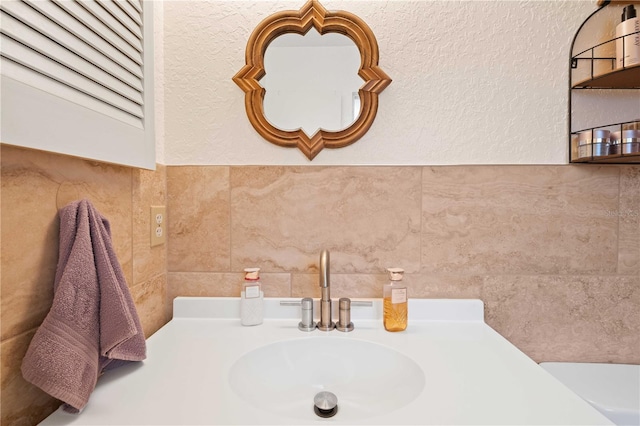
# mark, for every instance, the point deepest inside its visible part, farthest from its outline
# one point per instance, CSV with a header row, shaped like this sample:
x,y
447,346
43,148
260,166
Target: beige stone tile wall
x,y
34,185
553,251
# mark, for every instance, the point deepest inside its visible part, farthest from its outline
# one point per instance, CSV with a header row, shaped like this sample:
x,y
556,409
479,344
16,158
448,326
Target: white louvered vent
x,y
90,53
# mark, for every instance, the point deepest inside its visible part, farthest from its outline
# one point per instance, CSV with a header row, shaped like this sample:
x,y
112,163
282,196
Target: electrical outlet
x,y
158,225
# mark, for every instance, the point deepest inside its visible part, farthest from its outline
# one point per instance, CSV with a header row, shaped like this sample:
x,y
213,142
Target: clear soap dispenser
x,y
251,298
395,306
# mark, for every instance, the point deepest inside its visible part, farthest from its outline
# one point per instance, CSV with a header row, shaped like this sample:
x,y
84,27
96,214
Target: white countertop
x,y
473,375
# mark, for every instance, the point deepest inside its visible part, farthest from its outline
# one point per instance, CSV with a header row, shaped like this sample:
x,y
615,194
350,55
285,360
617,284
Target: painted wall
x,y
475,82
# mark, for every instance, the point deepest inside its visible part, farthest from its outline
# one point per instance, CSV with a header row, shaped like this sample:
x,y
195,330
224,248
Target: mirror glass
x,y
312,82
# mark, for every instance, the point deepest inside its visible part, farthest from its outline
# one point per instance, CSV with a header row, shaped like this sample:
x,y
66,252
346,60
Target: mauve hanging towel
x,y
93,325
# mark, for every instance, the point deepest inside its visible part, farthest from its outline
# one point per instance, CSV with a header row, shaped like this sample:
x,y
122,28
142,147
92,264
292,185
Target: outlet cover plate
x,y
158,225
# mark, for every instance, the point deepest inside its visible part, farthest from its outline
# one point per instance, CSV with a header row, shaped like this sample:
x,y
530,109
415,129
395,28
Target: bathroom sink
x,y
448,368
368,379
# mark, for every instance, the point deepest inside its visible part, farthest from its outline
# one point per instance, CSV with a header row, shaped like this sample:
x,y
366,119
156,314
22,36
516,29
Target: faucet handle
x,y
344,315
307,323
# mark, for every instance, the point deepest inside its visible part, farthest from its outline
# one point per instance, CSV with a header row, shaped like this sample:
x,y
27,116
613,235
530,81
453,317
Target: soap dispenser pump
x,y
395,304
251,298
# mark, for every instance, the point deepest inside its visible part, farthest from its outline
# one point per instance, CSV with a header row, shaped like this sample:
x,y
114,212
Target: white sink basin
x,y
448,368
369,379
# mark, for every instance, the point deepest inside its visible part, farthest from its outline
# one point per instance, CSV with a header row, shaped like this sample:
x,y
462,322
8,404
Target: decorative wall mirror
x,y
313,16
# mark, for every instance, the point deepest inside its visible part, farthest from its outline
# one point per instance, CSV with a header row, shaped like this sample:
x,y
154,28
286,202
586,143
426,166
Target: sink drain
x,y
325,404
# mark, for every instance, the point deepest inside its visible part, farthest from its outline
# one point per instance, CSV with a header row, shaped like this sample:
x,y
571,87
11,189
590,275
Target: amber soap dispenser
x,y
395,307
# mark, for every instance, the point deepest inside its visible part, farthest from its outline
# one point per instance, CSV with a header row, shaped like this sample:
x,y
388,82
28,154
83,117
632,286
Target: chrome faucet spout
x,y
324,269
325,323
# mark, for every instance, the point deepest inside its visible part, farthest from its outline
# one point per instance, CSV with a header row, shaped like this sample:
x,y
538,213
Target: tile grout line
x,y
618,222
230,267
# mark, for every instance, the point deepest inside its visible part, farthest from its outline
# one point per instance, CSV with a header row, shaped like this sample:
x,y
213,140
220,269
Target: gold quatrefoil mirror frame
x,y
312,14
